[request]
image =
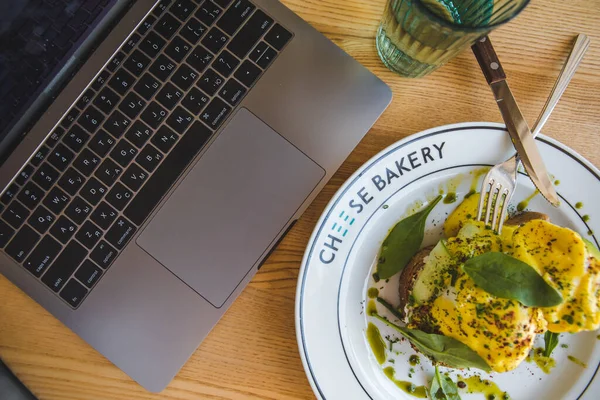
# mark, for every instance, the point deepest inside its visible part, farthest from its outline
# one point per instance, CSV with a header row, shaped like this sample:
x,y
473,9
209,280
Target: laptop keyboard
x,y
130,135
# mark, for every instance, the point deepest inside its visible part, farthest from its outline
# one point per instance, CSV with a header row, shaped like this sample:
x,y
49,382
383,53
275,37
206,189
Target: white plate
x,y
331,293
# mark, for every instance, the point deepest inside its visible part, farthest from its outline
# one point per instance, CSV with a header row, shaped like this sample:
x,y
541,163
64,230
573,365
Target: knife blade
x,y
516,125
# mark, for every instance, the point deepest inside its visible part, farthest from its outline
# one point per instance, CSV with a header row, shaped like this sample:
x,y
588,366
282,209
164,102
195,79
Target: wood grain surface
x,y
252,352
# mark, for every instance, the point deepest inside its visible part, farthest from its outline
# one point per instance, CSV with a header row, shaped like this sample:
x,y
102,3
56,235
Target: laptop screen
x,y
41,43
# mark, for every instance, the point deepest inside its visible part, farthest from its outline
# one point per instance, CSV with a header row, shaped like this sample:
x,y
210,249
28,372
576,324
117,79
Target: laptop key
x,y
169,96
56,200
57,133
267,58
63,229
116,124
232,92
100,80
121,81
103,254
250,33
119,196
15,214
134,177
6,232
104,215
182,9
138,134
116,61
164,139
41,257
208,12
167,26
278,36
71,116
247,73
76,138
152,44
40,155
93,191
64,265
258,51
86,162
131,43
71,181
179,120
78,210
73,293
60,157
193,31
120,233
162,68
136,63
41,219
146,25
165,176
132,105
184,77
214,40
200,58
45,176
223,3
9,193
85,99
91,119
215,113
226,63
89,234
235,16
178,48
195,101
161,7
210,82
22,243
123,153
108,172
147,86
149,158
106,100
88,273
154,114
25,174
30,195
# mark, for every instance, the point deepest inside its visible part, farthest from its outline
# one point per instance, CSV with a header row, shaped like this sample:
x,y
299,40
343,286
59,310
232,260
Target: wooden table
x,y
252,352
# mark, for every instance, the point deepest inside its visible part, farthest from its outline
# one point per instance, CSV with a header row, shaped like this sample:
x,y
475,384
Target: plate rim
x,y
303,350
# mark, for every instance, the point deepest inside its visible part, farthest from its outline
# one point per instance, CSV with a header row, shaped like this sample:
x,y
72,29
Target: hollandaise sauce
x,y
407,387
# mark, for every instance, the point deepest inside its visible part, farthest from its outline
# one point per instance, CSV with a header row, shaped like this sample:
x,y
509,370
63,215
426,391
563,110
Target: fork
x,y
498,186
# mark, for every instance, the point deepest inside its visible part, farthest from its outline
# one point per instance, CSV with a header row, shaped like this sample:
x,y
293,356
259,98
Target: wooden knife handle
x,y
488,60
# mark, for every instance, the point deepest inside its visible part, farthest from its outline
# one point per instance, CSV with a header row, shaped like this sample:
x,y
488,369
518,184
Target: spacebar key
x,y
167,173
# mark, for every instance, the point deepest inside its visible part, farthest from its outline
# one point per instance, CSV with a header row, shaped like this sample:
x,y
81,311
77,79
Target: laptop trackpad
x,y
230,207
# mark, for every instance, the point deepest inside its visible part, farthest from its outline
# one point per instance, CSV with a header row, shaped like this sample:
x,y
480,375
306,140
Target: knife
x,y
515,123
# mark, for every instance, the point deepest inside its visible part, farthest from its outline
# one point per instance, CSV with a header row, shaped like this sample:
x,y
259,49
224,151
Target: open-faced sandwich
x,y
478,298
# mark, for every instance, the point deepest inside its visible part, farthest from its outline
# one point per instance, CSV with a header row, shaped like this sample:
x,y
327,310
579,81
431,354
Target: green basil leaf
x,y
551,341
504,276
441,348
403,242
396,313
442,387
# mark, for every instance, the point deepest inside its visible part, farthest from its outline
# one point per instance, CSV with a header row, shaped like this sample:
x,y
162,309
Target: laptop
x,y
153,153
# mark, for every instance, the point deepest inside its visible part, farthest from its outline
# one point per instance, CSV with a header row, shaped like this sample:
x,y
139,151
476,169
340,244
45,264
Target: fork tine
x,y
485,185
507,198
497,205
490,201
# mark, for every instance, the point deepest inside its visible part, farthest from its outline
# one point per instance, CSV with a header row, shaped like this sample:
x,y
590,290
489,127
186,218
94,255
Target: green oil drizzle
x,y
414,360
376,342
585,218
557,182
577,361
545,363
578,205
484,386
407,387
590,232
566,346
475,181
450,198
598,337
523,204
371,308
372,292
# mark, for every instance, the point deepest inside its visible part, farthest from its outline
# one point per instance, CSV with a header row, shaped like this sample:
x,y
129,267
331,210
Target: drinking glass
x,y
418,36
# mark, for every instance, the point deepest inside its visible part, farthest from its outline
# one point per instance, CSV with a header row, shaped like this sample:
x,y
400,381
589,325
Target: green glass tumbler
x,y
418,36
